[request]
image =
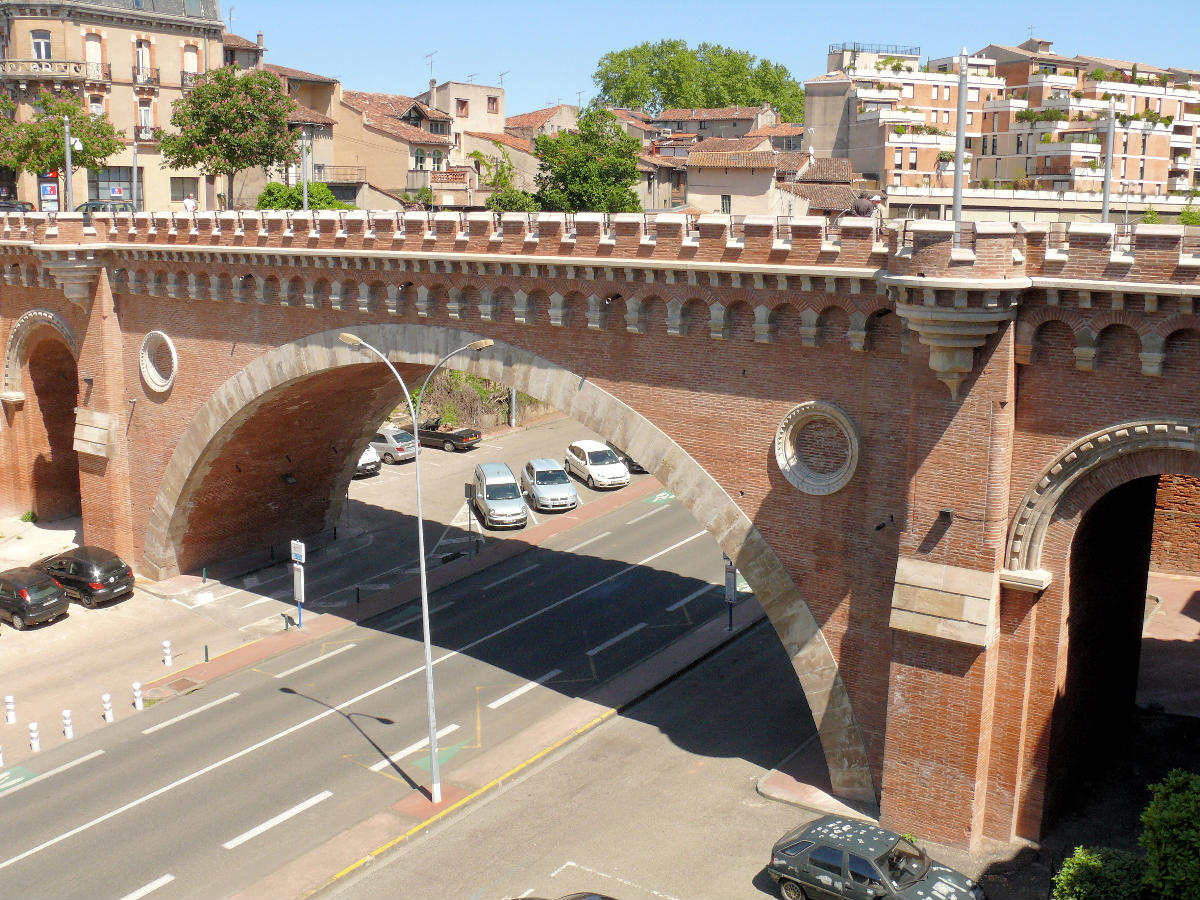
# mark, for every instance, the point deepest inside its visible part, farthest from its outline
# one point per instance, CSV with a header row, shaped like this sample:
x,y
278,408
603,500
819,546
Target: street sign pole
x,y
298,580
730,588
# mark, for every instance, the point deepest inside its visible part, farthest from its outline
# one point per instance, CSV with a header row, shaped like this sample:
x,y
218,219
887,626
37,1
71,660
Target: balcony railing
x,y
144,132
339,174
187,80
55,70
145,75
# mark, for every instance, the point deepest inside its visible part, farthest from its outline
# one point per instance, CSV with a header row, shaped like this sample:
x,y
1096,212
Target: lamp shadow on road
x,y
350,717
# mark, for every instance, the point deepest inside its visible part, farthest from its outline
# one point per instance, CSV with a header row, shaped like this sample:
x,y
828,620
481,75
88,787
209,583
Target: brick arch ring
x,y
28,323
1081,460
416,344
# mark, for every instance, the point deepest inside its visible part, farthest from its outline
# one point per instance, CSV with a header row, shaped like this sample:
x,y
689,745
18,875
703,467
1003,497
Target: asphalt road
x,y
203,795
659,802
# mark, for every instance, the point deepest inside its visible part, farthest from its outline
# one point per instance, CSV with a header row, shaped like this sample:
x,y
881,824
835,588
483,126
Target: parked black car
x,y
91,575
15,206
28,596
836,857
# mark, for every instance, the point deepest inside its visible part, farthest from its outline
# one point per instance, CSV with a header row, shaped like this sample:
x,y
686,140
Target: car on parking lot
x,y
547,485
90,575
29,596
105,206
839,857
497,496
436,433
369,462
595,464
394,444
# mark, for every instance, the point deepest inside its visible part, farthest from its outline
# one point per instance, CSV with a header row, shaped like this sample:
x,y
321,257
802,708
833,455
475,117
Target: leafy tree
x,y
591,169
281,196
1150,216
422,198
669,74
498,172
1099,873
230,121
1171,836
39,146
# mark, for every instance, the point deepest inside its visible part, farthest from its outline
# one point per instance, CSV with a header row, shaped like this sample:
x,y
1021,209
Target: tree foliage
x,y
669,74
1099,873
230,121
281,196
498,172
39,145
1171,836
590,169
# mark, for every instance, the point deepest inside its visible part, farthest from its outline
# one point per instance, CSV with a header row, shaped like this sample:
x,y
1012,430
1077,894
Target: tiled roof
x,y
719,145
383,111
1046,56
666,162
1143,68
297,74
779,129
237,42
829,169
834,197
836,75
708,113
632,117
515,143
302,115
751,159
535,119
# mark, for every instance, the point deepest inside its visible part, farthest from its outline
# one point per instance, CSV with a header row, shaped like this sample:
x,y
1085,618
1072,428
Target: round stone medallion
x,y
816,447
159,362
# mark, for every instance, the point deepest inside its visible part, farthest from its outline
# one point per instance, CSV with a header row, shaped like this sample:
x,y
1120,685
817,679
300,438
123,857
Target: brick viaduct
x,y
937,465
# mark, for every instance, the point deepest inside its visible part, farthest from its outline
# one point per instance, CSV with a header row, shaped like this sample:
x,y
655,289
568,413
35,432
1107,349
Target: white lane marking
x,y
488,587
189,714
45,775
620,637
311,662
271,618
639,889
317,717
410,749
588,541
203,599
408,620
656,509
251,580
525,688
276,820
256,602
690,597
451,524
149,888
530,513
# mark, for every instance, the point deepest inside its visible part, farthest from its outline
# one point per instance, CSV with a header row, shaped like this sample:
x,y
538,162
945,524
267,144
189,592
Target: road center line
x,y
321,658
523,689
45,775
149,888
410,749
588,541
620,637
277,820
488,587
690,597
189,714
408,620
656,509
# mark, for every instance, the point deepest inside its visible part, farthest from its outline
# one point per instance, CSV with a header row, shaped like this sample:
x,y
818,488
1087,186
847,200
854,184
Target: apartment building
x,y
784,136
471,107
129,60
726,121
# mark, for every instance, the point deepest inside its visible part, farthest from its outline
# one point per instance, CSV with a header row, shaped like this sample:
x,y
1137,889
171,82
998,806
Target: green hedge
x,y
1099,873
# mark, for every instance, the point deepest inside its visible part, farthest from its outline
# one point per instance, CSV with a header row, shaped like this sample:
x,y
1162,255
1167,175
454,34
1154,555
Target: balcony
x,y
143,133
144,75
54,70
877,95
1180,163
339,174
187,80
1179,184
1182,140
437,180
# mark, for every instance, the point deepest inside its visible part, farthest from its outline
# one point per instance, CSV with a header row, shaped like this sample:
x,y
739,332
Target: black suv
x,y
90,575
836,857
29,596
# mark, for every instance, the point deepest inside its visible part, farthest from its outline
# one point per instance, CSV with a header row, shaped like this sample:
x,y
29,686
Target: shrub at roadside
x,y
281,196
1171,836
1099,873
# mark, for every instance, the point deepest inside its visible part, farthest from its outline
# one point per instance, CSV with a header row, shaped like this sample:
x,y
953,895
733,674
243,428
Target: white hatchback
x,y
596,465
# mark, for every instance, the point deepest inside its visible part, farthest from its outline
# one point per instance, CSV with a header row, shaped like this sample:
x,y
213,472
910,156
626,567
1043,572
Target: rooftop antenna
x,y
579,99
231,18
429,56
502,74
1030,27
472,75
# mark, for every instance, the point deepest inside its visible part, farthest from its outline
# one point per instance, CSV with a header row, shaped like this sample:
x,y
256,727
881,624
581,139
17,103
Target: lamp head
x,y
347,338
480,345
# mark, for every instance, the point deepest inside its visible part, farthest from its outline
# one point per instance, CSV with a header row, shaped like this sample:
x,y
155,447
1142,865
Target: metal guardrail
x,y
56,68
339,174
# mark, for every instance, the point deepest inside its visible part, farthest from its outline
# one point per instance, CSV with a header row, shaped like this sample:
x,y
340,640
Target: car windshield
x,y
550,476
507,491
41,589
602,457
904,864
112,566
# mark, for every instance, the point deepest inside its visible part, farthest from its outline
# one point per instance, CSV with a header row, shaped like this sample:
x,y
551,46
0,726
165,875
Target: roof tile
x,y
708,113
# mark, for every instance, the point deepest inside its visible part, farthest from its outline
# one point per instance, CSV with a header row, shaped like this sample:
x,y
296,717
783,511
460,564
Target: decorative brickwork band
x,y
22,328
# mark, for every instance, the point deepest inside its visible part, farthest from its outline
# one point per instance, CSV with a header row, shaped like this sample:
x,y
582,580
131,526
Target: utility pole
x,y
960,142
1108,157
67,173
304,164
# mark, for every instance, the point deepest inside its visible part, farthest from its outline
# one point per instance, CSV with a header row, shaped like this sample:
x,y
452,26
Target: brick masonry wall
x,y
1176,547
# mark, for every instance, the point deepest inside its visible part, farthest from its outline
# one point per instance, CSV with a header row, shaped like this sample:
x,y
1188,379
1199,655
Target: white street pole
x,y
1108,157
67,173
304,166
960,142
135,171
435,775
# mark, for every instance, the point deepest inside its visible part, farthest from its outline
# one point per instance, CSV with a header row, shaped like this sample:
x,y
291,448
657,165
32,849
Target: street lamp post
x,y
353,340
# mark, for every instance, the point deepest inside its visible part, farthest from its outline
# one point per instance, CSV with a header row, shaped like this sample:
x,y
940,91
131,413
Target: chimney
x,y
432,85
260,39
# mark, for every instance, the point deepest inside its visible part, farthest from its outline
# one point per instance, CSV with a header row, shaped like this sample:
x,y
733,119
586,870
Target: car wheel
x,y
789,890
389,459
591,483
17,622
448,446
88,602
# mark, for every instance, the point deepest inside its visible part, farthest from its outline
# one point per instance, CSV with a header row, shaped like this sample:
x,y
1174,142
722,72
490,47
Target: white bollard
x,y
166,653
137,696
68,725
10,710
106,702
35,742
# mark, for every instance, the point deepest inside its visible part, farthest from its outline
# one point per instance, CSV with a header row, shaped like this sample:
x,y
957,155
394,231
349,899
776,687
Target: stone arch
x,y
294,295
422,345
1117,347
833,326
159,283
1131,444
1181,351
739,321
694,318
247,289
18,340
885,334
269,293
1053,343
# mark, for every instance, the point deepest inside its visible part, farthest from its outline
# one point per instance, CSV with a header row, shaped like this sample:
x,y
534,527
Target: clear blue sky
x,y
550,49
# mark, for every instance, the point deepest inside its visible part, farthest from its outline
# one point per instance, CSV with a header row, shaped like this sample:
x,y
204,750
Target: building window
x,y
912,158
41,44
899,162
191,59
906,90
460,107
994,145
418,158
142,59
92,48
970,118
945,116
493,104
727,204
896,179
145,114
457,139
181,187
972,95
703,125
439,127
437,160
96,105
113,183
1018,144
